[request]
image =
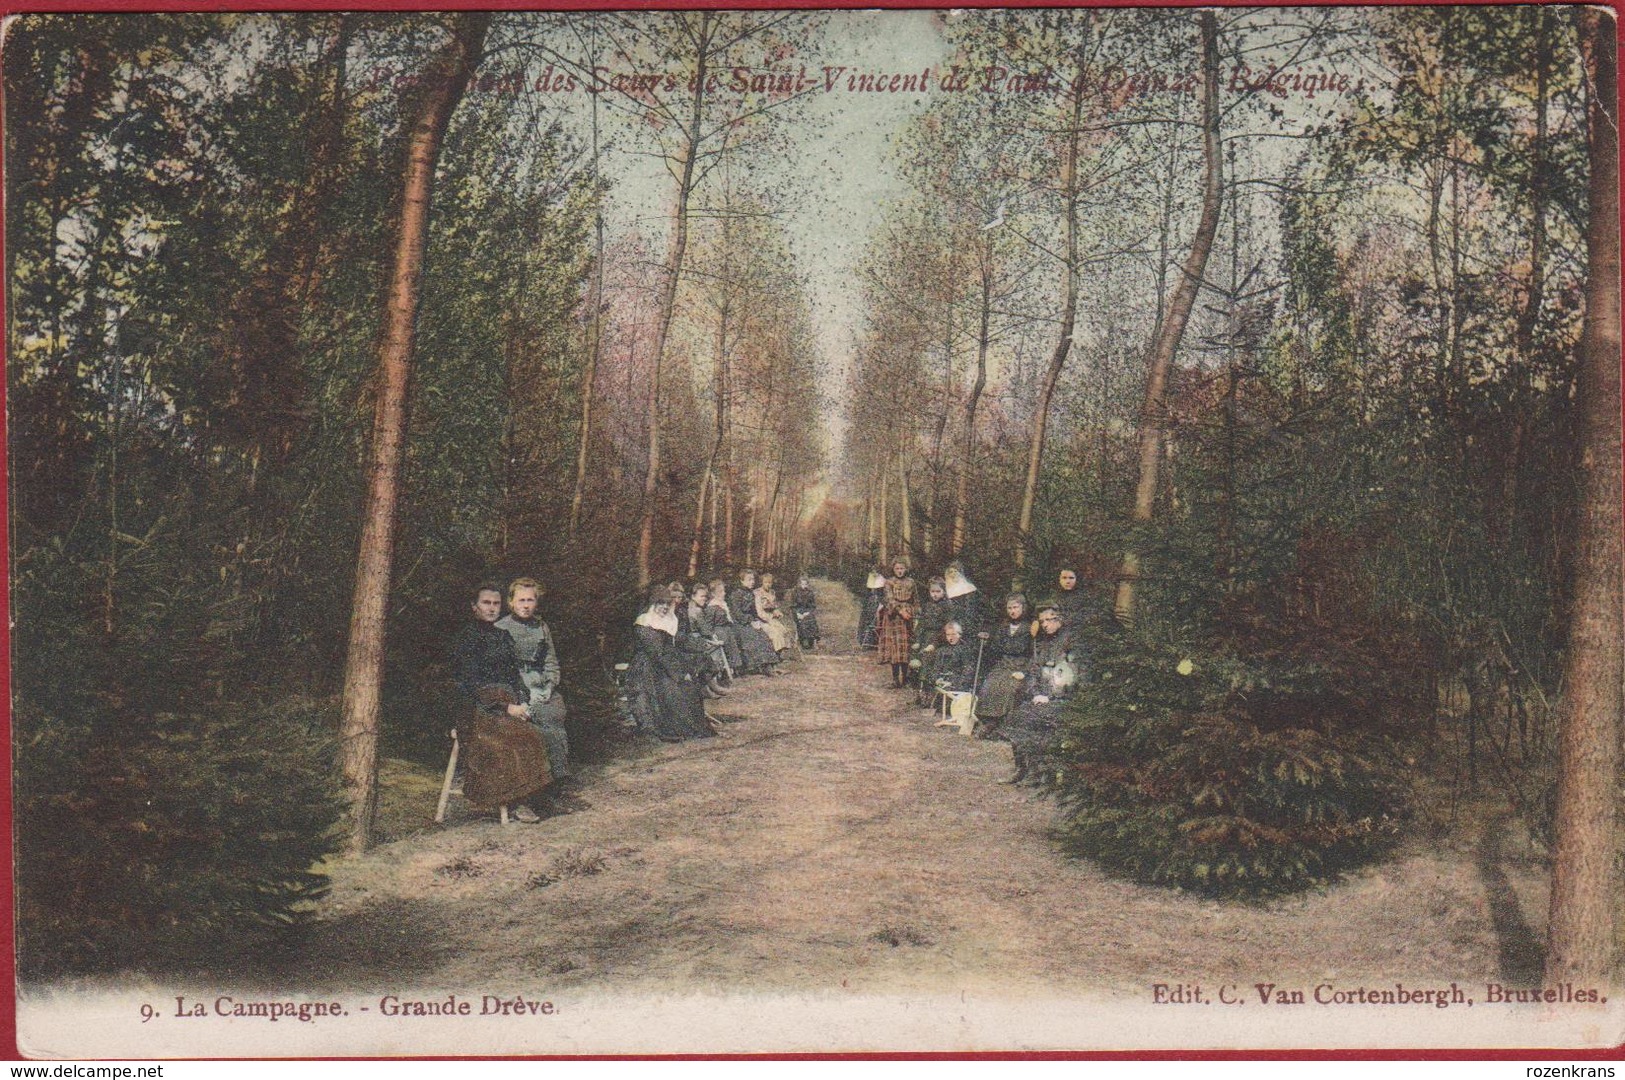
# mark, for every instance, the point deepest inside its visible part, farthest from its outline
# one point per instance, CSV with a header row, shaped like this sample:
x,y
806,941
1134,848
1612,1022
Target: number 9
x,y
147,1013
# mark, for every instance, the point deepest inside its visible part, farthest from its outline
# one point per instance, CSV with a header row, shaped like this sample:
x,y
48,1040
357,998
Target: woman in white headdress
x,y
666,695
964,602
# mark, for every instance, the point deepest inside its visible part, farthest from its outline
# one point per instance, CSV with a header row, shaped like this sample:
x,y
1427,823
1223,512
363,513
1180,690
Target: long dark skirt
x,y
807,626
1000,691
1030,730
757,648
668,708
728,634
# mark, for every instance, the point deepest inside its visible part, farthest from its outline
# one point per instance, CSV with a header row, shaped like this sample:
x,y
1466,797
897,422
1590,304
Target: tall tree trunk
x,y
941,429
967,453
668,291
721,407
446,78
1069,314
1580,935
908,511
750,531
884,515
595,347
728,511
711,548
1225,538
1535,285
869,531
1154,410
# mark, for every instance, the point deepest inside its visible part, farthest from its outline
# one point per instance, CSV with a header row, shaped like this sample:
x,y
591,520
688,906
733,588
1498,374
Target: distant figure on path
x,y
804,606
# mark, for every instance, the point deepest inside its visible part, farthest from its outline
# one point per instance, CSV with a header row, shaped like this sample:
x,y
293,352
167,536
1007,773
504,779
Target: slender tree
x,y
446,77
1069,312
1153,411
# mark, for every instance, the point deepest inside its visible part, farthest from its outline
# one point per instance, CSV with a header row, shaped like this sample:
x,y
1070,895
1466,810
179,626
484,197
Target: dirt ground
x,y
835,839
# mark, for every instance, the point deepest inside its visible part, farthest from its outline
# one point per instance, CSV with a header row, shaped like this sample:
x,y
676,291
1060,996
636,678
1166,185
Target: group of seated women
x,y
692,643
1020,667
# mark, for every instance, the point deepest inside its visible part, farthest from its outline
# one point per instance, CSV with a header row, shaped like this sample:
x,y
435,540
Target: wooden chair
x,y
958,709
450,785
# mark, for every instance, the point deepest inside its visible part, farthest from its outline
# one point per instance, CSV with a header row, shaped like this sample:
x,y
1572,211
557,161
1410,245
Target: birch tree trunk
x,y
1069,314
668,290
1154,410
447,76
967,452
589,373
722,412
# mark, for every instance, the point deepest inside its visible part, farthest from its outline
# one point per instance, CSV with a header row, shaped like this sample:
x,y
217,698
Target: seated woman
x,y
698,639
773,621
760,656
1051,679
720,622
1009,654
505,757
955,661
665,694
804,608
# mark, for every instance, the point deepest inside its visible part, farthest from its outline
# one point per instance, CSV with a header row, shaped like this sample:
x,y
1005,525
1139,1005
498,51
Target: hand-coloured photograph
x,y
815,531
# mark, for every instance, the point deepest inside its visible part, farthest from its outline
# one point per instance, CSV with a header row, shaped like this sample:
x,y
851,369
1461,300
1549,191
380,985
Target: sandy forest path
x,y
834,841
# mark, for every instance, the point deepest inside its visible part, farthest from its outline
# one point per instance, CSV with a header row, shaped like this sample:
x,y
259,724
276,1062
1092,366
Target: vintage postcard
x,y
814,531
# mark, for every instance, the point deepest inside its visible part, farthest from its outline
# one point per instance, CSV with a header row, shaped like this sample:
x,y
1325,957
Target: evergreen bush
x,y
1183,766
137,844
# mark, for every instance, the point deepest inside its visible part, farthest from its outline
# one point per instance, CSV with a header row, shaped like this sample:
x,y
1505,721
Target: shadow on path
x,y
1519,951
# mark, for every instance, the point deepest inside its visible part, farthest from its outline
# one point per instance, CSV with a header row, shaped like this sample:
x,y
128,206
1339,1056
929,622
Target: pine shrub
x,y
144,844
1192,767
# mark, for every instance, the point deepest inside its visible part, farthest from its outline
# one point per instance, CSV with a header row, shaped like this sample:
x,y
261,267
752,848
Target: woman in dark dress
x,y
1009,652
665,692
934,615
720,622
760,656
695,640
1051,678
804,606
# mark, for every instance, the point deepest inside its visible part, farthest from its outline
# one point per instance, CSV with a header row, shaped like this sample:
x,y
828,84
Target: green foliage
x,y
139,838
1178,766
